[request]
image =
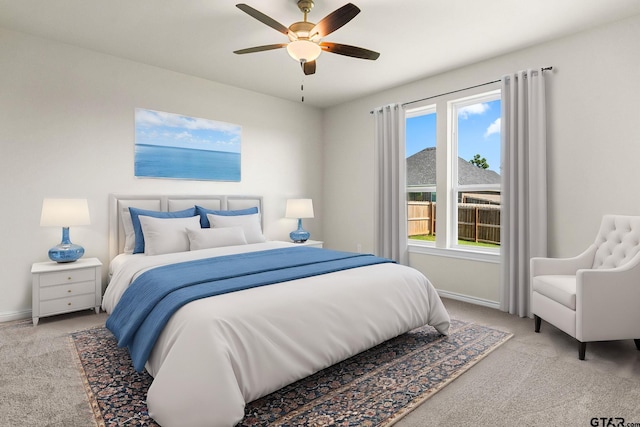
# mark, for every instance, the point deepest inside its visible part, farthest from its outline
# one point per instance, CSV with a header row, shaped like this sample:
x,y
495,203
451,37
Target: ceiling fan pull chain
x,y
302,87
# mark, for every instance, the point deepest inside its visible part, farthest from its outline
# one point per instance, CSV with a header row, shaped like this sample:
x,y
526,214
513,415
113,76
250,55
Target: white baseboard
x,y
469,299
15,315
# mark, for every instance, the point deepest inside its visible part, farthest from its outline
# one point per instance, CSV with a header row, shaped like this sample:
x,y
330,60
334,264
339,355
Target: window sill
x,y
468,254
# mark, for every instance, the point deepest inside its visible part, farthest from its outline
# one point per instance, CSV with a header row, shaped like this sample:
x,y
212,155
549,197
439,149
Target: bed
x,y
216,353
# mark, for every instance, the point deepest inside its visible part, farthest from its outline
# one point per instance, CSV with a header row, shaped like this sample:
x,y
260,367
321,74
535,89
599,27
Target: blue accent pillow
x,y
137,228
204,221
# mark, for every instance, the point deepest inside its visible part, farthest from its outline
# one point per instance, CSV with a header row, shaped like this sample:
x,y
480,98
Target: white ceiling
x,y
416,38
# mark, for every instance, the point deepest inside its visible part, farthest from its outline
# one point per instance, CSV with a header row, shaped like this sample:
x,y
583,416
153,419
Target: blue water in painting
x,y
171,162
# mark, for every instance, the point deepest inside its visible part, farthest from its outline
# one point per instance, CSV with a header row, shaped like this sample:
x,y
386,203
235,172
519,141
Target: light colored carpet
x,y
532,380
40,384
536,380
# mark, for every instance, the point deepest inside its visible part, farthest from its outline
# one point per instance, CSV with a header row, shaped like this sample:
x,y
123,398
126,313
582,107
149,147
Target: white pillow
x,y
129,233
250,225
204,238
166,235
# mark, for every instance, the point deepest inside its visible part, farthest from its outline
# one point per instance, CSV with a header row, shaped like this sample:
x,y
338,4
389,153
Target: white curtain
x,y
524,186
390,184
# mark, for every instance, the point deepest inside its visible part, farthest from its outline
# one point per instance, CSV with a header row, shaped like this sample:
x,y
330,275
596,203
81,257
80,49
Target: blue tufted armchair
x,y
594,296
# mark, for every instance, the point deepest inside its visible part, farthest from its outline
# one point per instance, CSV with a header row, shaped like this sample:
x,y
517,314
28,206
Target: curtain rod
x,y
459,90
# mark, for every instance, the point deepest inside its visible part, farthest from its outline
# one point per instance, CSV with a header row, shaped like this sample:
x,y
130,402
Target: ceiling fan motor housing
x,y
301,30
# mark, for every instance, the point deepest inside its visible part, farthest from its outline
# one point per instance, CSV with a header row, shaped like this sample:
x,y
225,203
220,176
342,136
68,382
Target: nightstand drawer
x,y
64,305
70,276
67,290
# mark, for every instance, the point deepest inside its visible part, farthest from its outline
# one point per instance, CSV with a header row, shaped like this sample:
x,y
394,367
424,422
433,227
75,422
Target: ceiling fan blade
x,y
335,20
309,67
263,18
346,50
260,48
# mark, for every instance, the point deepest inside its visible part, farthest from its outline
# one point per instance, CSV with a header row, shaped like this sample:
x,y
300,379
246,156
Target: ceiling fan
x,y
305,37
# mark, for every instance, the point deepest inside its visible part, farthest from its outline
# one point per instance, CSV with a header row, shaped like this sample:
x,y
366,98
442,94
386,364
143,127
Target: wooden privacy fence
x,y
476,222
422,218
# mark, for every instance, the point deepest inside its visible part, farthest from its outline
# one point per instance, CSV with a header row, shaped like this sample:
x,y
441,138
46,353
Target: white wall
x,y
593,148
67,130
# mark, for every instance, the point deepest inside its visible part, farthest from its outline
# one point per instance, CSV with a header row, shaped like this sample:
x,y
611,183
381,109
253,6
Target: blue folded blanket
x,y
149,302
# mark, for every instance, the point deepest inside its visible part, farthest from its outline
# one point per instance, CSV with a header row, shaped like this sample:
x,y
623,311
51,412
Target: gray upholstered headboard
x,y
167,203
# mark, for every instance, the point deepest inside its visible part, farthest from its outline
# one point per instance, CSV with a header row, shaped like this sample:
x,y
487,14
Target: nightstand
x,y
65,287
313,243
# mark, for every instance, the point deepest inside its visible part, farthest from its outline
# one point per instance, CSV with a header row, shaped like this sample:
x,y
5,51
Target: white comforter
x,y
217,353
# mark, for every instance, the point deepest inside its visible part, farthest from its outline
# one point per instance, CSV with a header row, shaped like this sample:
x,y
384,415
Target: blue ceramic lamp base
x,y
66,251
300,235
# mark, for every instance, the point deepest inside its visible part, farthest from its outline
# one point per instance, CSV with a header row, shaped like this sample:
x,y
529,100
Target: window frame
x,y
447,158
415,112
453,107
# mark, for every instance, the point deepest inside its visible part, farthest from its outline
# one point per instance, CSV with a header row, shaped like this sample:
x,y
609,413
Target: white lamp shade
x,y
299,208
64,212
304,50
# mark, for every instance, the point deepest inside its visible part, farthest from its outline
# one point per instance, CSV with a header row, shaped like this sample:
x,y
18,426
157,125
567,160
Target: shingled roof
x,y
421,170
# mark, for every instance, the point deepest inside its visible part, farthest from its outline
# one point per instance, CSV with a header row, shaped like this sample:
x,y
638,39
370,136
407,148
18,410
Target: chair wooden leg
x,y
582,349
637,343
538,321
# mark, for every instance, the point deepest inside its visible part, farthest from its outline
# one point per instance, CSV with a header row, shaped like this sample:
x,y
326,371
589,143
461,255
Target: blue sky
x,y
174,130
478,133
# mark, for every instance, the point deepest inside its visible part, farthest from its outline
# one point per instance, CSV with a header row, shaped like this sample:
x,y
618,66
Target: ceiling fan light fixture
x,y
304,50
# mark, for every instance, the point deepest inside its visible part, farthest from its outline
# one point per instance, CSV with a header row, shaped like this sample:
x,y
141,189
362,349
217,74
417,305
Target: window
x,y
466,157
420,131
475,172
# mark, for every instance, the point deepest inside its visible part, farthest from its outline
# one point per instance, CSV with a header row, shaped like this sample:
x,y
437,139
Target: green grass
x,y
430,238
425,237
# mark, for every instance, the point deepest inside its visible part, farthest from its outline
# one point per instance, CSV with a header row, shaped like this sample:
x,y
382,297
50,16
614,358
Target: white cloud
x,y
159,118
493,128
147,118
469,110
184,135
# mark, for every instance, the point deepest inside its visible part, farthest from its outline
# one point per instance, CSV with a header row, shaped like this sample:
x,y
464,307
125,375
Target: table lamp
x,y
299,208
65,213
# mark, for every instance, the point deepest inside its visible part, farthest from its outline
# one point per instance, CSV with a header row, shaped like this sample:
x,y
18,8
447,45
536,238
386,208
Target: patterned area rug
x,y
374,388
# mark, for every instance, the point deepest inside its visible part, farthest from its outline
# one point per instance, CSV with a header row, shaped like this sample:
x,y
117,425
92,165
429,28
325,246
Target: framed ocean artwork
x,y
179,147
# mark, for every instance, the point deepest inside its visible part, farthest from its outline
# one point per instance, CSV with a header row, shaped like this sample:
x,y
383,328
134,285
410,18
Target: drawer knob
x,y
69,278
68,303
69,291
